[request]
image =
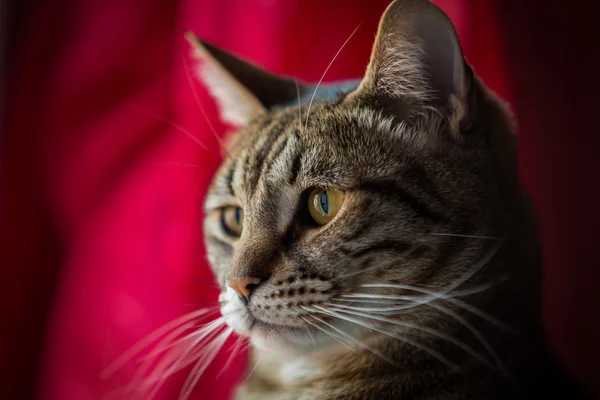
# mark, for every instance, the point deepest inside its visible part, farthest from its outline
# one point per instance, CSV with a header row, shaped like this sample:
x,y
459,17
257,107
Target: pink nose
x,y
244,286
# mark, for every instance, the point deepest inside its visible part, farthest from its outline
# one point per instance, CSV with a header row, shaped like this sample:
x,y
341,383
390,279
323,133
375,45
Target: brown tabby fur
x,y
418,157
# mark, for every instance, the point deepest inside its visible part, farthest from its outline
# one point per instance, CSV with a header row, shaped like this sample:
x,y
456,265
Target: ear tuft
x,y
242,89
417,61
397,69
237,106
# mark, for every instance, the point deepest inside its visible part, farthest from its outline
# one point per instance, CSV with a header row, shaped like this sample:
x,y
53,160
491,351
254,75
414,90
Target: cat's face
x,y
315,222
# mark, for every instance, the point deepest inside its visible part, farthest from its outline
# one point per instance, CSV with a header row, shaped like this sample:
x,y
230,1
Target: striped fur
x,y
432,210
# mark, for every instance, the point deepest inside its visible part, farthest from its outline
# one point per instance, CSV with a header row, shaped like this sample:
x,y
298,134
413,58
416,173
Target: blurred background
x,y
101,187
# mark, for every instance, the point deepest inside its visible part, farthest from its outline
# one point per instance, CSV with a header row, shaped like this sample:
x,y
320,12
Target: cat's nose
x,y
244,286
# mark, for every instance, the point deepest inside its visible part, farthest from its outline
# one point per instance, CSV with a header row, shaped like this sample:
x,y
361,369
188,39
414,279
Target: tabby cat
x,y
372,238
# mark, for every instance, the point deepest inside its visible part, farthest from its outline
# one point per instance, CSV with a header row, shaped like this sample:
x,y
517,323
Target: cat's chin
x,y
291,340
285,339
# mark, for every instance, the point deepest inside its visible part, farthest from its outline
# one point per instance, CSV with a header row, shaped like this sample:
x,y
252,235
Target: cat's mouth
x,y
274,325
264,334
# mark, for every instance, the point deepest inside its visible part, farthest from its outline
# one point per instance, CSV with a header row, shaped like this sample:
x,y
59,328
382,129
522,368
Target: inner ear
x,y
242,89
417,61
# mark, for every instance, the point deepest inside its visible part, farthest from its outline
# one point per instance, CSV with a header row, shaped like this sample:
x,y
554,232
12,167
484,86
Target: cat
x,y
372,237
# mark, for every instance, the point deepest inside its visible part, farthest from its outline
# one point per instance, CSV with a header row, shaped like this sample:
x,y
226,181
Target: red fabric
x,y
100,213
556,84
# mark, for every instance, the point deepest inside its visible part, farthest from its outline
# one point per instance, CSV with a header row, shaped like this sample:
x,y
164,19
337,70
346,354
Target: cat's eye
x,y
324,204
232,220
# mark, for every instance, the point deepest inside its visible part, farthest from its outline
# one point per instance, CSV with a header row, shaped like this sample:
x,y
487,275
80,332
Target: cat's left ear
x,y
241,89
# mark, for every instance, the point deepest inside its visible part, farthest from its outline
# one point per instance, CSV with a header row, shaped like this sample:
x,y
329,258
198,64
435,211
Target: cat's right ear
x,y
241,89
417,61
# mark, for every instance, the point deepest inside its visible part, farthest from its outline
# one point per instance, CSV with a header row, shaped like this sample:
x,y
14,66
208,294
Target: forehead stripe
x,y
264,152
276,151
230,174
392,188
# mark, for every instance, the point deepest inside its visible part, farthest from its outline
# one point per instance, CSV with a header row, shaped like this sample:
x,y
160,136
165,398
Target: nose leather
x,y
243,286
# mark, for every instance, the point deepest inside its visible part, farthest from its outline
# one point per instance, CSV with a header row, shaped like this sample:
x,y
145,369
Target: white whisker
x,y
335,337
202,332
152,337
203,363
325,73
176,360
308,332
469,236
359,300
203,111
178,164
252,370
299,106
165,344
433,332
450,297
366,309
356,342
476,268
173,124
433,353
478,335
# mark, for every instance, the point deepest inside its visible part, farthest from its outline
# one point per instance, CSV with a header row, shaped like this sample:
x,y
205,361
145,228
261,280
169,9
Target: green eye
x,y
323,205
232,220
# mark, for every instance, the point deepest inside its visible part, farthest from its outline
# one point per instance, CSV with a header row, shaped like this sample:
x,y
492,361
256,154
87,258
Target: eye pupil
x,y
232,220
324,202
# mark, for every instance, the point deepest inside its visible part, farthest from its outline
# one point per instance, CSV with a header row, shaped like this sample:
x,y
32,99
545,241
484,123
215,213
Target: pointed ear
x,y
241,89
416,61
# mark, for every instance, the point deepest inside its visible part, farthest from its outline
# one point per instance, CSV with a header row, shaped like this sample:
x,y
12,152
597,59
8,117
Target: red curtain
x,y
102,185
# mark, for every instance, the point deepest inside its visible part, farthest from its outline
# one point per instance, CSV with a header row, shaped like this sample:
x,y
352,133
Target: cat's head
x,y
326,215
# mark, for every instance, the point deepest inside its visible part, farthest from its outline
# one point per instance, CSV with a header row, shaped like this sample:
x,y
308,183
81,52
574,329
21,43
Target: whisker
x,y
365,309
178,164
433,353
431,293
173,124
203,363
433,332
308,331
252,370
473,310
478,335
477,267
335,337
165,343
299,106
202,110
358,300
469,236
150,338
198,335
176,361
199,303
325,73
168,342
356,342
450,297
238,348
470,273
